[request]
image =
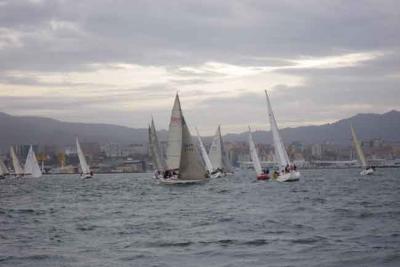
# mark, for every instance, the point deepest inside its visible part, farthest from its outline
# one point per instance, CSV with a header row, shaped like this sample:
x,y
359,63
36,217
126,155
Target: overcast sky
x,y
122,61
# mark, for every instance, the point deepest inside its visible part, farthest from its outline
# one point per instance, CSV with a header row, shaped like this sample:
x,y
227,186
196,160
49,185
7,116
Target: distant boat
x,y
85,170
155,151
31,167
204,155
18,171
255,160
3,170
366,170
183,159
285,174
219,160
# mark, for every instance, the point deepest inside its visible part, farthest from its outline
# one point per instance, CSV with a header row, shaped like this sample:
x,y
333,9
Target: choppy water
x,y
329,218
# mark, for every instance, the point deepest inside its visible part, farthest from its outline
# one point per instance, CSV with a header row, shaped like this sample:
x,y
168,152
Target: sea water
x,y
328,218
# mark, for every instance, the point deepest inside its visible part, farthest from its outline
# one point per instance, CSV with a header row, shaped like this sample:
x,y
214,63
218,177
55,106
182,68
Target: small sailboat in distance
x,y
18,171
204,155
3,169
287,171
31,166
366,170
85,170
219,160
261,175
155,151
183,159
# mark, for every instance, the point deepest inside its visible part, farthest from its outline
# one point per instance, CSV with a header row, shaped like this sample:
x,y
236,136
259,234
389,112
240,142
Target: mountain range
x,y
39,130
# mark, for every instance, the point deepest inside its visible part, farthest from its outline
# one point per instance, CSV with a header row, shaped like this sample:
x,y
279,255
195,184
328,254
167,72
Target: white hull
x,y
172,181
86,176
289,177
367,172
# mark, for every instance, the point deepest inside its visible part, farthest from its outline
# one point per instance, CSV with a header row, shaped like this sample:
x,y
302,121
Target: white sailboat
x,y
205,157
183,159
155,151
31,166
285,174
366,170
220,163
3,170
254,158
85,170
18,171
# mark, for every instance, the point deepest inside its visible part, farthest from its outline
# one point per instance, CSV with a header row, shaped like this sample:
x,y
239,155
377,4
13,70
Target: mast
x,y
17,166
253,154
359,150
280,151
204,153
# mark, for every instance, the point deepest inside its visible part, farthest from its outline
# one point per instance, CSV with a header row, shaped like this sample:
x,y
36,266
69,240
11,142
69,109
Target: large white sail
x,y
155,149
31,165
253,154
82,160
191,166
217,153
359,150
280,151
204,153
3,168
16,165
175,136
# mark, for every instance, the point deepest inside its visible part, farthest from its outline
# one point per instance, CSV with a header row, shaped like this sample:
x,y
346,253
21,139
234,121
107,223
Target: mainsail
x,y
191,167
82,160
155,149
204,153
16,165
31,165
175,136
280,151
217,153
3,168
253,154
359,150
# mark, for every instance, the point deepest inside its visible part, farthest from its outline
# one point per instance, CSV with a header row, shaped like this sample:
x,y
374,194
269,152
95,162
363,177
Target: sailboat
x,y
254,158
183,159
286,173
155,151
205,157
3,170
220,163
85,170
31,166
18,171
366,170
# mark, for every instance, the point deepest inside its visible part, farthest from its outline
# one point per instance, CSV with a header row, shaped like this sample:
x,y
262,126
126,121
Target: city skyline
x,y
123,63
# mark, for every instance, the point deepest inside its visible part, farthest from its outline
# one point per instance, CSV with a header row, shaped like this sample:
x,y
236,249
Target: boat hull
x,y
86,176
263,176
292,176
174,181
369,171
